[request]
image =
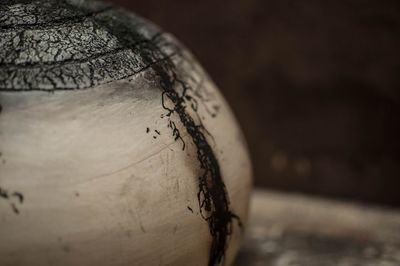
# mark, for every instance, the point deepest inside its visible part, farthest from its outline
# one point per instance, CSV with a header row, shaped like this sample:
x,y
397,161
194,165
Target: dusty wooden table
x,y
292,230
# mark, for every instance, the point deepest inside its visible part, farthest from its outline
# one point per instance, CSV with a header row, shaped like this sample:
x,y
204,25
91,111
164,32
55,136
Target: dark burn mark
x,y
10,198
4,194
176,133
19,196
14,208
142,227
147,130
212,196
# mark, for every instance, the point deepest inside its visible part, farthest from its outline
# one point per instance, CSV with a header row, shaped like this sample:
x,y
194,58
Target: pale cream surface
x,y
99,190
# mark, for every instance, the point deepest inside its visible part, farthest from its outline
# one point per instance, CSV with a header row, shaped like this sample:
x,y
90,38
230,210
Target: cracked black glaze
x,y
73,44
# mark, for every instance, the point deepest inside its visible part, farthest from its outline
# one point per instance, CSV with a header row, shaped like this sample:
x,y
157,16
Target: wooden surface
x,y
293,230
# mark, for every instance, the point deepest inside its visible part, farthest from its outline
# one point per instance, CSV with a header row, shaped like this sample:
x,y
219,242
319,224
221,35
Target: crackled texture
x,y
75,45
51,45
37,13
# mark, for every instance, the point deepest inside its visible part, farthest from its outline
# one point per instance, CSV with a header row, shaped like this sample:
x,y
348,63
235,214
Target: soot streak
x,y
212,195
9,196
136,51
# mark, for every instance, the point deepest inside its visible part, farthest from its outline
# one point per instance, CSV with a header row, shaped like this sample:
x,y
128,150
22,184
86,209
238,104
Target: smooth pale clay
x,y
115,145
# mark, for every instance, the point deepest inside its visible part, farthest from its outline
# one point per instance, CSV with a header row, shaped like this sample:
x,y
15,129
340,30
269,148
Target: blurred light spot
x,y
258,232
269,246
279,162
370,252
302,166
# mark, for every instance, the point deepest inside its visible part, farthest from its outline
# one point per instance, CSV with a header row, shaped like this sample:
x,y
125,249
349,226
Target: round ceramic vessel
x,y
115,146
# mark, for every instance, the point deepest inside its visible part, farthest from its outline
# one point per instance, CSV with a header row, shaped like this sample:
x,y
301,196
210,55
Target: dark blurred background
x,y
315,85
